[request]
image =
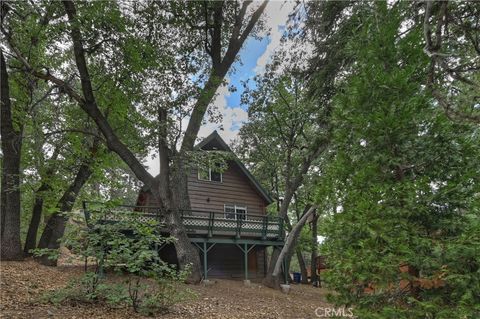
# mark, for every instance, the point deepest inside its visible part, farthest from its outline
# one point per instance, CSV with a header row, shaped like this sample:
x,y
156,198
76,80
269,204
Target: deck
x,y
199,224
204,228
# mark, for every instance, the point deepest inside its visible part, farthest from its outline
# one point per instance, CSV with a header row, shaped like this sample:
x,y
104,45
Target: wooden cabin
x,y
227,221
237,202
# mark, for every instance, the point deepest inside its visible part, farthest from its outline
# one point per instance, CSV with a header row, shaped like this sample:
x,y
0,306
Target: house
x,y
228,220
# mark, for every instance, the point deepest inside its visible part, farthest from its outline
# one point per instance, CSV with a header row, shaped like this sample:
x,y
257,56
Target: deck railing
x,y
197,222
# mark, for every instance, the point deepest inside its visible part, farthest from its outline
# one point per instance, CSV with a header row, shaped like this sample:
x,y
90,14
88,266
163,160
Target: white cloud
x,y
233,118
276,16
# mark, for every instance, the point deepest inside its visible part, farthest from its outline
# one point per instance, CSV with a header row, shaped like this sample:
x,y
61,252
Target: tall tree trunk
x,y
11,248
313,264
287,248
55,227
31,240
187,254
303,266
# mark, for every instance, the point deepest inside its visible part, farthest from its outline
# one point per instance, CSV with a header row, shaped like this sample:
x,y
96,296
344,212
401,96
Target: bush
x,y
147,296
129,247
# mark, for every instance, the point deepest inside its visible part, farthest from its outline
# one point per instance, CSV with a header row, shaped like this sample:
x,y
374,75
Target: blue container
x,y
297,277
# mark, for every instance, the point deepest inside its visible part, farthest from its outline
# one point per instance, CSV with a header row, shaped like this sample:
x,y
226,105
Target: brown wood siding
x,y
235,188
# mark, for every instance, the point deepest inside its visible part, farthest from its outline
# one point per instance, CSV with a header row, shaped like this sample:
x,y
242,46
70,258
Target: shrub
x,y
129,247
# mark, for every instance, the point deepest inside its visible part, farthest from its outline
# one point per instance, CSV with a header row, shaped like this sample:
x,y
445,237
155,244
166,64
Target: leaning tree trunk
x,y
303,266
269,279
287,248
11,248
55,227
31,240
313,263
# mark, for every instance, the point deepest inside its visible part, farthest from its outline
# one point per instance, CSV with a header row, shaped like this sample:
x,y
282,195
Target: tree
x,y
220,31
31,239
55,226
292,106
281,115
289,242
402,187
313,259
452,43
10,190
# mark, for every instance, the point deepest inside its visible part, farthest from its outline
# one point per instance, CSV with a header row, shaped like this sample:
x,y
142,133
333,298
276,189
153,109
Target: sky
x,y
255,55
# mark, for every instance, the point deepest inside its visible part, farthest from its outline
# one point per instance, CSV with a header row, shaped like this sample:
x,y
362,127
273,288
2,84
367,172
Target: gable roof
x,y
215,142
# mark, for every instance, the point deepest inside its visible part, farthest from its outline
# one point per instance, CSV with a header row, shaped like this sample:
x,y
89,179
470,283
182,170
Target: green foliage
x,y
402,187
146,296
130,248
79,290
51,254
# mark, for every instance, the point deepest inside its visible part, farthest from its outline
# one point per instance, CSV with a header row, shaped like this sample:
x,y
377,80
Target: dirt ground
x,y
22,283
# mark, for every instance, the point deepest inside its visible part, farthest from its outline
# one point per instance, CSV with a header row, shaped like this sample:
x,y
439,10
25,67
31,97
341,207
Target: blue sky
x,y
245,71
254,55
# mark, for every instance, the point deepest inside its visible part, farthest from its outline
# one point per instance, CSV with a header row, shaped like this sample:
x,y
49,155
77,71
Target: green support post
x,y
245,254
205,268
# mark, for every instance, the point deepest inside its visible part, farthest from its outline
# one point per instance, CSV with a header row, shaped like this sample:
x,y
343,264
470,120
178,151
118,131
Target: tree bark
x,y
269,279
287,248
31,240
55,227
303,266
11,248
313,264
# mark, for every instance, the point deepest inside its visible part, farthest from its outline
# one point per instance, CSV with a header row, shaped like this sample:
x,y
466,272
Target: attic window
x,y
209,175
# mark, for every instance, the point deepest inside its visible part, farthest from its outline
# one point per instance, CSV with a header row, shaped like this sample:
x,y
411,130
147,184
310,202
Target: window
x,y
233,211
230,211
215,176
210,175
203,175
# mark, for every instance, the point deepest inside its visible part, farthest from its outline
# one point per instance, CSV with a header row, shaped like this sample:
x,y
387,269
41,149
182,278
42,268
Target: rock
x,y
247,283
285,288
208,282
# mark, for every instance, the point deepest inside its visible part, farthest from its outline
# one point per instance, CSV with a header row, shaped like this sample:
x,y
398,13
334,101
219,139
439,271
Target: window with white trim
x,y
233,211
210,175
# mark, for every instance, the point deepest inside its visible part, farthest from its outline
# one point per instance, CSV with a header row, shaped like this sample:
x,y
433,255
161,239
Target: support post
x,y
205,266
245,254
285,270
